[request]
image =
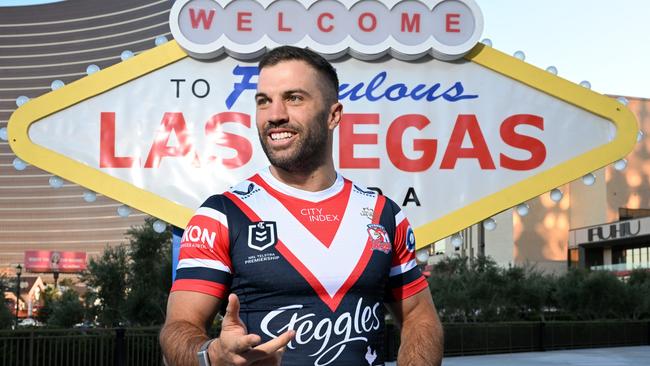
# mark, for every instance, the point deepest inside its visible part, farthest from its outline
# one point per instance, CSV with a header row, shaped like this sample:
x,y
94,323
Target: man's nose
x,y
278,112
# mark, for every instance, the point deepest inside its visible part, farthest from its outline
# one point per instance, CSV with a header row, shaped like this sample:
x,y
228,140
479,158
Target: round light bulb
x,y
487,42
589,179
126,54
620,165
55,182
124,211
422,255
160,40
159,226
456,240
21,100
552,70
585,84
520,55
90,196
3,134
91,69
622,100
489,224
19,164
57,84
556,195
523,209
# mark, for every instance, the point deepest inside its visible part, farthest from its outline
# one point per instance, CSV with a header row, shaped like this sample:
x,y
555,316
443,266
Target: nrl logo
x,y
261,235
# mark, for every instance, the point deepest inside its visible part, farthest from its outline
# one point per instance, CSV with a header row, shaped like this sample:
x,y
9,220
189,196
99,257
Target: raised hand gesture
x,y
236,347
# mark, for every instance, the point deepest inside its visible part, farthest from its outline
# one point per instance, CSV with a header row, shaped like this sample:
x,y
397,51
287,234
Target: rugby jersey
x,y
321,263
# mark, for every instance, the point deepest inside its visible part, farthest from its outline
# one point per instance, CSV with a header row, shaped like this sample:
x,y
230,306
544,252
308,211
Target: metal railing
x,y
140,347
486,338
101,347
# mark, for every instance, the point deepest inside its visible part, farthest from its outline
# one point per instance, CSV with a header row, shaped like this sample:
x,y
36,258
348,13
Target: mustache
x,y
284,125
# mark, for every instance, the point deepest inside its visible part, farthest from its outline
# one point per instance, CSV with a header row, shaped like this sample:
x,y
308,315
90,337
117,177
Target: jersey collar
x,y
317,196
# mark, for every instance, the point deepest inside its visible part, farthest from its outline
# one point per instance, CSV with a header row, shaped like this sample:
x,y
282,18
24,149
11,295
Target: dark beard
x,y
309,154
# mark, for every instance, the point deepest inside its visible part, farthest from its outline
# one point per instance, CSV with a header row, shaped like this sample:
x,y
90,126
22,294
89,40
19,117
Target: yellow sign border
x,y
170,52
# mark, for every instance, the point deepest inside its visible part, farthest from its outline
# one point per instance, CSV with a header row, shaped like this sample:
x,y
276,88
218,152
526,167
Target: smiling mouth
x,y
279,136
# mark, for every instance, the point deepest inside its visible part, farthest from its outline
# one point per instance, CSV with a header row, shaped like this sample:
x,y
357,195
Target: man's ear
x,y
335,115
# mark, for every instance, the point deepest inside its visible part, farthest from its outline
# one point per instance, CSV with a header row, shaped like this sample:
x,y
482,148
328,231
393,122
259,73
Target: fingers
x,y
273,349
245,343
276,344
232,310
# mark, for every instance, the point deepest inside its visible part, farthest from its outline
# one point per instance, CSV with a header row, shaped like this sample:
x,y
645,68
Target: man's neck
x,y
320,179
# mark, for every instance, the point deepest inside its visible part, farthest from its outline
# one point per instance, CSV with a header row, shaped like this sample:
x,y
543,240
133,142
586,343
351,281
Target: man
x,y
305,257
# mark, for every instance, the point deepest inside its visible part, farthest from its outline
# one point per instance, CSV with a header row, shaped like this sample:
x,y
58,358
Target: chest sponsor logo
x,y
317,215
262,235
330,335
379,238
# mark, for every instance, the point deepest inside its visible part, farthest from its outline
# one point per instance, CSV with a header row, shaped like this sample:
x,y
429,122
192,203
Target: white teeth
x,y
280,135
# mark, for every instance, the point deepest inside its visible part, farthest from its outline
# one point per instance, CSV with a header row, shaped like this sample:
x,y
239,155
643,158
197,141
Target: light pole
x,y
19,271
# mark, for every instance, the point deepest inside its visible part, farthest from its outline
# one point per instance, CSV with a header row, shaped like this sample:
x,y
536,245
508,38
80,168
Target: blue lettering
x,y
374,84
373,91
247,72
353,93
459,89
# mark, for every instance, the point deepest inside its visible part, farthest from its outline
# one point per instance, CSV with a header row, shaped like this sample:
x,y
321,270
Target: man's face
x,y
293,119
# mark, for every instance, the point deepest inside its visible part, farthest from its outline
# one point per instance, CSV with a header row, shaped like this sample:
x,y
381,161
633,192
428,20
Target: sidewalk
x,y
615,356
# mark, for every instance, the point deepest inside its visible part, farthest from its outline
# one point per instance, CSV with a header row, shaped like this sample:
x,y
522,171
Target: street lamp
x,y
19,271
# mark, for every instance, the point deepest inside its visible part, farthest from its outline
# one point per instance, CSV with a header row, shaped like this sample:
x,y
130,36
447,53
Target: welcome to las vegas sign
x,y
454,131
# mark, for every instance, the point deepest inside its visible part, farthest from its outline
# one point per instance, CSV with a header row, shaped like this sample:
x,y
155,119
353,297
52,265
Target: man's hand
x,y
236,347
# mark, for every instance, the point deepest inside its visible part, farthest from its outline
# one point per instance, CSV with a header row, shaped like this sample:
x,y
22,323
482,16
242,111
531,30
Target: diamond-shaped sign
x,y
451,142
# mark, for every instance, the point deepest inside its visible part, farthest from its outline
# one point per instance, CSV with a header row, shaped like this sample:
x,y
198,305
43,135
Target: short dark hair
x,y
320,64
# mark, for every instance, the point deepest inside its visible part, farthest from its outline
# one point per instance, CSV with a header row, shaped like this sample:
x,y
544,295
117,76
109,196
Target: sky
x,y
606,42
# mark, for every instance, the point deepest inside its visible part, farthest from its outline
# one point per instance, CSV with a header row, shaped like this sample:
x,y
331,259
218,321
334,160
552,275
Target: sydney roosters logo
x,y
379,238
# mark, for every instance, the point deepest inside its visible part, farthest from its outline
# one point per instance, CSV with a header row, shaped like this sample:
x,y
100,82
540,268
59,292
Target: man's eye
x,y
294,98
261,101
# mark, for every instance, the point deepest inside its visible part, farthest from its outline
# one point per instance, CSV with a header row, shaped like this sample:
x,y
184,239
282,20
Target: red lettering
x,y
319,22
395,148
450,20
347,140
467,124
171,122
512,138
107,158
409,24
373,22
244,21
281,27
201,18
238,143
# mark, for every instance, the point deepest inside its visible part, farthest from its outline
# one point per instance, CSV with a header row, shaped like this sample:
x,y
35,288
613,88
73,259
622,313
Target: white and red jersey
x,y
321,263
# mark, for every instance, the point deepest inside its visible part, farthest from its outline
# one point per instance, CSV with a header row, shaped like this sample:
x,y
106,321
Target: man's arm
x,y
189,315
420,330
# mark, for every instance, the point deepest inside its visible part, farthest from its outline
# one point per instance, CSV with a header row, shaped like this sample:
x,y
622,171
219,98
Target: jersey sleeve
x,y
204,263
405,278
